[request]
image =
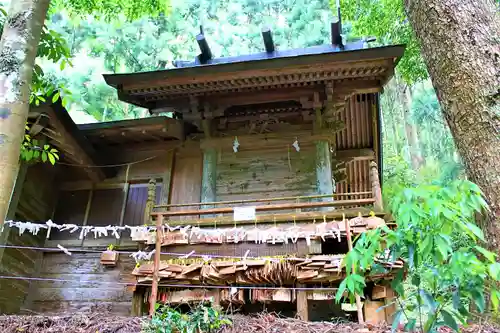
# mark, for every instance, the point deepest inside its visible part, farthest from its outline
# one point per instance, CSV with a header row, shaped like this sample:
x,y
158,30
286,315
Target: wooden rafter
x,y
65,136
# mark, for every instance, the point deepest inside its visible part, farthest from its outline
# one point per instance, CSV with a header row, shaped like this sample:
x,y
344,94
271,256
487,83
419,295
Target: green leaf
x,y
29,155
449,320
340,291
428,299
55,97
52,159
495,299
494,270
487,254
456,298
478,297
396,320
410,325
44,156
429,324
475,230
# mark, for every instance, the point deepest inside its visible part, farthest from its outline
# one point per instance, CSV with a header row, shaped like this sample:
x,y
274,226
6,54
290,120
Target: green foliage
x,y
386,20
109,9
446,263
201,319
52,47
33,151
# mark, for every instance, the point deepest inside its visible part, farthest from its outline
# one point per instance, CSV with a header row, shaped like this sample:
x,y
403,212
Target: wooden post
x,y
377,191
137,300
151,200
349,244
302,306
324,182
209,178
156,267
390,305
167,179
324,179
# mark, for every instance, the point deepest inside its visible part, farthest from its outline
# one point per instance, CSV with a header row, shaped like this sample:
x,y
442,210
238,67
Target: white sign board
x,y
244,213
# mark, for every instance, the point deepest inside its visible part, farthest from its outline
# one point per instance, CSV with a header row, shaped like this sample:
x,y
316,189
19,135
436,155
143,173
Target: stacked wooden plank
x,y
277,272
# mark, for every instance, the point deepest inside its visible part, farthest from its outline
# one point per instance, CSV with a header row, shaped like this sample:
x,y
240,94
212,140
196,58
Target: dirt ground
x,y
101,322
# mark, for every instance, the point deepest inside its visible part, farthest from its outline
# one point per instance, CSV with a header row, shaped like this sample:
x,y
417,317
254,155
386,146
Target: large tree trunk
x,y
18,48
460,45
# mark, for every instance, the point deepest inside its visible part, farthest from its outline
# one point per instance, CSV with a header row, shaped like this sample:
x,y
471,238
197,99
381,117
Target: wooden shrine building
x,y
247,184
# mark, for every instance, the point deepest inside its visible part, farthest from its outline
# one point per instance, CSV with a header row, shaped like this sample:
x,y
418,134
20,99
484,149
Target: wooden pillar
x,y
390,305
302,306
324,181
150,203
378,205
167,179
156,267
359,307
137,299
209,177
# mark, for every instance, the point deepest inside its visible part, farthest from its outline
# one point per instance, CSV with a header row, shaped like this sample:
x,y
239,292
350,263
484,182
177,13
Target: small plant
x,y
447,267
201,319
32,150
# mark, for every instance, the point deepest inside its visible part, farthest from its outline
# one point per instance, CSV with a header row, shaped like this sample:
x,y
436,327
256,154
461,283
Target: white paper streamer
x,y
65,250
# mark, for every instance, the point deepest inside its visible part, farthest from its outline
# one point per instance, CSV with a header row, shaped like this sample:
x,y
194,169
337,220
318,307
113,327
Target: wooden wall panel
x,y
358,179
186,181
35,205
357,117
256,250
266,173
70,209
39,193
84,282
136,203
106,206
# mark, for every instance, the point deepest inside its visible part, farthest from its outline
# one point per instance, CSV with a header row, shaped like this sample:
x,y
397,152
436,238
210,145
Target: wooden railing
x,y
375,199
218,210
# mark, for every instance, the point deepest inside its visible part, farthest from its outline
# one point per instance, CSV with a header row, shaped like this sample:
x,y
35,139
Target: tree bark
x,y
18,48
460,45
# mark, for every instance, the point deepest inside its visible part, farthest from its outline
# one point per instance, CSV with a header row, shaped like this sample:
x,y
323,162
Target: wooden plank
x,y
290,198
167,178
137,302
186,182
390,305
119,308
302,305
374,312
379,292
156,278
209,176
324,181
280,217
84,152
115,294
229,210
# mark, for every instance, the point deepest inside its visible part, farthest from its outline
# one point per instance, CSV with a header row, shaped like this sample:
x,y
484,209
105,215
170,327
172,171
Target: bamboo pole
x,y
228,210
263,200
358,298
156,268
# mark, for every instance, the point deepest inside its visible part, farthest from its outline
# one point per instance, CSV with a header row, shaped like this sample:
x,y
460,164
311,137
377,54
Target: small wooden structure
x,y
267,166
